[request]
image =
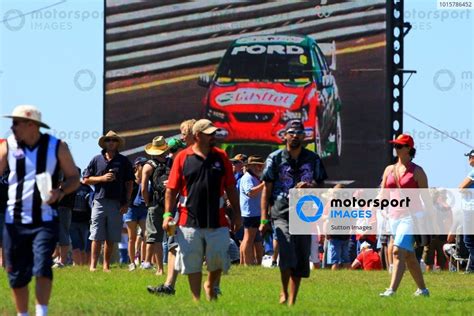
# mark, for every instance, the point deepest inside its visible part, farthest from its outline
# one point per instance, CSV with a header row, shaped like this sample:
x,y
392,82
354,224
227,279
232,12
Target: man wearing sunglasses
x,y
291,167
201,174
31,226
112,176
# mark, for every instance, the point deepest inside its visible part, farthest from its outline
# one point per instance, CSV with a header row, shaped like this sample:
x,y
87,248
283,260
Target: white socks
x,y
41,310
22,314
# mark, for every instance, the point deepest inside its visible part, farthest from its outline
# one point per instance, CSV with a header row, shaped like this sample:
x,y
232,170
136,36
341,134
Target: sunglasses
x,y
107,140
18,122
297,132
398,146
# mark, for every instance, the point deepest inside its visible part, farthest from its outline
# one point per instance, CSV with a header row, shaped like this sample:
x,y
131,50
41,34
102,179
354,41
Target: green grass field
x,y
251,291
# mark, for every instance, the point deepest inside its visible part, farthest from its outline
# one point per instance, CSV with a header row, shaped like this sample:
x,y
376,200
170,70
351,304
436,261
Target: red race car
x,y
264,81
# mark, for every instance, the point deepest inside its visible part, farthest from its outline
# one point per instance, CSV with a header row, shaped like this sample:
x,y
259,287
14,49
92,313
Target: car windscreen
x,y
266,62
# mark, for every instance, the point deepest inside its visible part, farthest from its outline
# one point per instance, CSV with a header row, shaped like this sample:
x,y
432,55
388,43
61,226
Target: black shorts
x,y
28,251
294,250
251,222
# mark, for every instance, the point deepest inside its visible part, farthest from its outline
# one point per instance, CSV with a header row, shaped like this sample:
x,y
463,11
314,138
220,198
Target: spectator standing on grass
x,y
154,177
368,259
404,174
137,212
80,223
65,212
200,174
31,228
291,167
168,287
111,174
251,187
468,212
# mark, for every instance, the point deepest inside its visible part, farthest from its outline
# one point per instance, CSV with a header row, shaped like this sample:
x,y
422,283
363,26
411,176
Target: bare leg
x,y
108,249
275,250
96,245
43,290
20,295
285,278
141,241
247,246
195,280
399,260
390,253
258,248
63,254
150,252
159,258
212,278
76,257
132,239
294,287
172,273
415,270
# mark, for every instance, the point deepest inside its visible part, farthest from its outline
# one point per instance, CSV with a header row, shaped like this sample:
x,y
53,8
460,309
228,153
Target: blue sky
x,y
54,59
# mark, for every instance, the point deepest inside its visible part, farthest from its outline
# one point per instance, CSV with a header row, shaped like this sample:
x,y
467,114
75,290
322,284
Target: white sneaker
x,y
387,293
420,292
58,265
146,266
132,267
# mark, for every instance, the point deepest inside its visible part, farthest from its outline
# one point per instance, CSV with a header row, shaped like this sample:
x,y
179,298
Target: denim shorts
x,y
135,214
402,230
28,251
338,251
79,236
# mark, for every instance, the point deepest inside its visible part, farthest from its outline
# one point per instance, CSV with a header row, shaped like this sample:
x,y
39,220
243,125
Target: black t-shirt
x,y
122,169
81,209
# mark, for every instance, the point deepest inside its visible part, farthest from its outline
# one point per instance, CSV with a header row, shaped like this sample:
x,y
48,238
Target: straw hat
x,y
28,112
157,147
111,134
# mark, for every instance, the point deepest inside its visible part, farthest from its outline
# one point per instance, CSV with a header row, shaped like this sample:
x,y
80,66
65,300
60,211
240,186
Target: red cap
x,y
403,139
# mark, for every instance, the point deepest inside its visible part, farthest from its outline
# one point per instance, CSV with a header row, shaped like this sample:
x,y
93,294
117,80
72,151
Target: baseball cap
x,y
139,161
295,124
403,139
204,126
470,154
364,245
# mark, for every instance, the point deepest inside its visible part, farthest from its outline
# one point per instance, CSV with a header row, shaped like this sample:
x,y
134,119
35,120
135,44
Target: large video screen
x,y
250,67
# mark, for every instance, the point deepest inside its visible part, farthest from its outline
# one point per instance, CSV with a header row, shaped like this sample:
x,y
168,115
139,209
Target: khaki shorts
x,y
195,244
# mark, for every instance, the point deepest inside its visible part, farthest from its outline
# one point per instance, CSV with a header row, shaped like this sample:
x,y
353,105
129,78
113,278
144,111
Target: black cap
x,y
470,154
295,124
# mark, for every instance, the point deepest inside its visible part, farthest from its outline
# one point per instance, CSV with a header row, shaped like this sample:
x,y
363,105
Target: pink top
x,y
406,181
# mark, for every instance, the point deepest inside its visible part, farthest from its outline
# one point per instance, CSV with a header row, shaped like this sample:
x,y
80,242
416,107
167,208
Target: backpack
x,y
161,172
82,199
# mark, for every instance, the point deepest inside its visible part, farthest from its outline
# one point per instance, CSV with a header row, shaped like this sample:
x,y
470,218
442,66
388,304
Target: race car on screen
x,y
264,81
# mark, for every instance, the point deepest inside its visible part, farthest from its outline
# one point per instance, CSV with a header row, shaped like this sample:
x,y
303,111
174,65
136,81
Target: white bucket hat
x,y
27,112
